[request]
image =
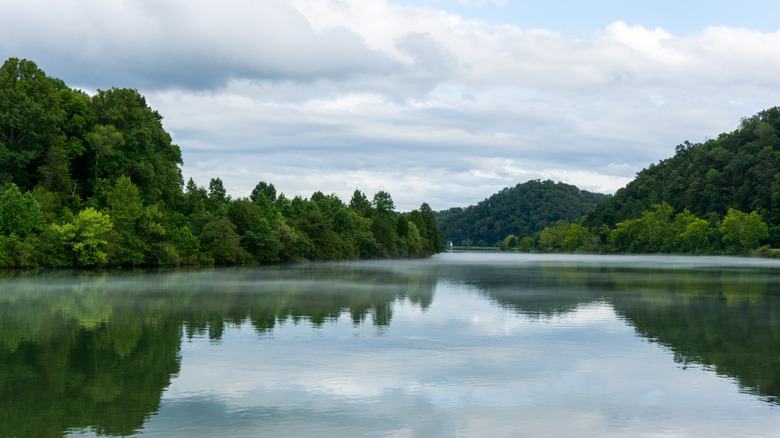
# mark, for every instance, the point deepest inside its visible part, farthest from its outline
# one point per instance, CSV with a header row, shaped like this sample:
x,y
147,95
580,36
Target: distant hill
x,y
739,170
526,208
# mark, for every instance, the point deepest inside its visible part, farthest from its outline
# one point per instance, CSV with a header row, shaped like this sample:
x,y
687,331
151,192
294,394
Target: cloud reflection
x,y
462,344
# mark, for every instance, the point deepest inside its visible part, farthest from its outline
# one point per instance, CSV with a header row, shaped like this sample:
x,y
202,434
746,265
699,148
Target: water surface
x,y
463,344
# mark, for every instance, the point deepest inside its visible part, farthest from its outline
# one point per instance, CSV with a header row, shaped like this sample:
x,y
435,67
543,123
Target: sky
x,y
437,101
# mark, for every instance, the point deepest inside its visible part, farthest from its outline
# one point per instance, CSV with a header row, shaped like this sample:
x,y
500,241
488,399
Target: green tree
x,y
656,229
342,221
104,140
86,238
54,172
293,244
743,231
692,233
360,202
16,253
510,243
565,236
217,192
328,205
157,248
577,238
77,125
186,245
29,121
328,245
412,241
195,198
383,225
218,198
361,235
623,237
652,232
20,214
267,191
402,226
247,216
551,238
125,207
50,203
433,235
383,202
147,156
220,240
525,244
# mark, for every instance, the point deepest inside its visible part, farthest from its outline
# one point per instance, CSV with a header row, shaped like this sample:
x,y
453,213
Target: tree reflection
x,y
724,319
535,291
96,350
729,321
108,377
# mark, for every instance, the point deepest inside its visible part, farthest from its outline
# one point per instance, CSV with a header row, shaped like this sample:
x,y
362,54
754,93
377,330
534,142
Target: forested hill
x,y
526,209
738,170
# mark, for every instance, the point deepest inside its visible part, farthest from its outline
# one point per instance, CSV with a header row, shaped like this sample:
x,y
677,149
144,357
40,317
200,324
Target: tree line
x,y
95,181
659,230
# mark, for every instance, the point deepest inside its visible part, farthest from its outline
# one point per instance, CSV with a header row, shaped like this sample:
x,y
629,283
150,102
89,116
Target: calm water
x,y
463,344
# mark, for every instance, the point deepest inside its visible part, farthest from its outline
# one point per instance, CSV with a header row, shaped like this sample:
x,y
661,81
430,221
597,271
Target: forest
x,y
95,180
523,210
717,197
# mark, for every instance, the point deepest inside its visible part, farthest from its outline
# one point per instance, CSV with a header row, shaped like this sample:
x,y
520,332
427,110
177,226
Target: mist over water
x,y
462,344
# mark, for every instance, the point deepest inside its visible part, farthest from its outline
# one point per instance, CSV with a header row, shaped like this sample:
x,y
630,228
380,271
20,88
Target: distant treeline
x,y
659,230
95,181
525,209
721,196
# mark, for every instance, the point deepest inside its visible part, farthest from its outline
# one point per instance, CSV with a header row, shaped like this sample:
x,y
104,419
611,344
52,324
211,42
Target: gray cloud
x,y
337,95
190,45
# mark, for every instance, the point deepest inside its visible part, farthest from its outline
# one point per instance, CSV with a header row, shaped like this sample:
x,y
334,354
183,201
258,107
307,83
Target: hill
x,y
526,208
739,170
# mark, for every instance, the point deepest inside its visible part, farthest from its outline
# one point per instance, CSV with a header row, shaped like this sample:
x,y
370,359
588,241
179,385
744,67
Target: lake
x,y
463,344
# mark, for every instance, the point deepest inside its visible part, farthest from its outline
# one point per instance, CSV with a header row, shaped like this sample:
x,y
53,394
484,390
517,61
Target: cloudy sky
x,y
438,101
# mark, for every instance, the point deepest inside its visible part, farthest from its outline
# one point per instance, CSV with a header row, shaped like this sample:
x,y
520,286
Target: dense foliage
x,y
525,209
656,231
721,196
738,170
95,181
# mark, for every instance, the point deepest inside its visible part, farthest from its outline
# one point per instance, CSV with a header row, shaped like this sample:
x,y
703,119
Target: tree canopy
x,y
95,181
525,209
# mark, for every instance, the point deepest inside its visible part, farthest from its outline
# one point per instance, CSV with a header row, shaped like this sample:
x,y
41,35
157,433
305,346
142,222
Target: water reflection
x,y
97,350
729,321
58,374
722,313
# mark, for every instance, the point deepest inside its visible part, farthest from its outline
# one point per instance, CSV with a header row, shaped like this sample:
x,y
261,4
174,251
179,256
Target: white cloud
x,y
414,100
482,2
